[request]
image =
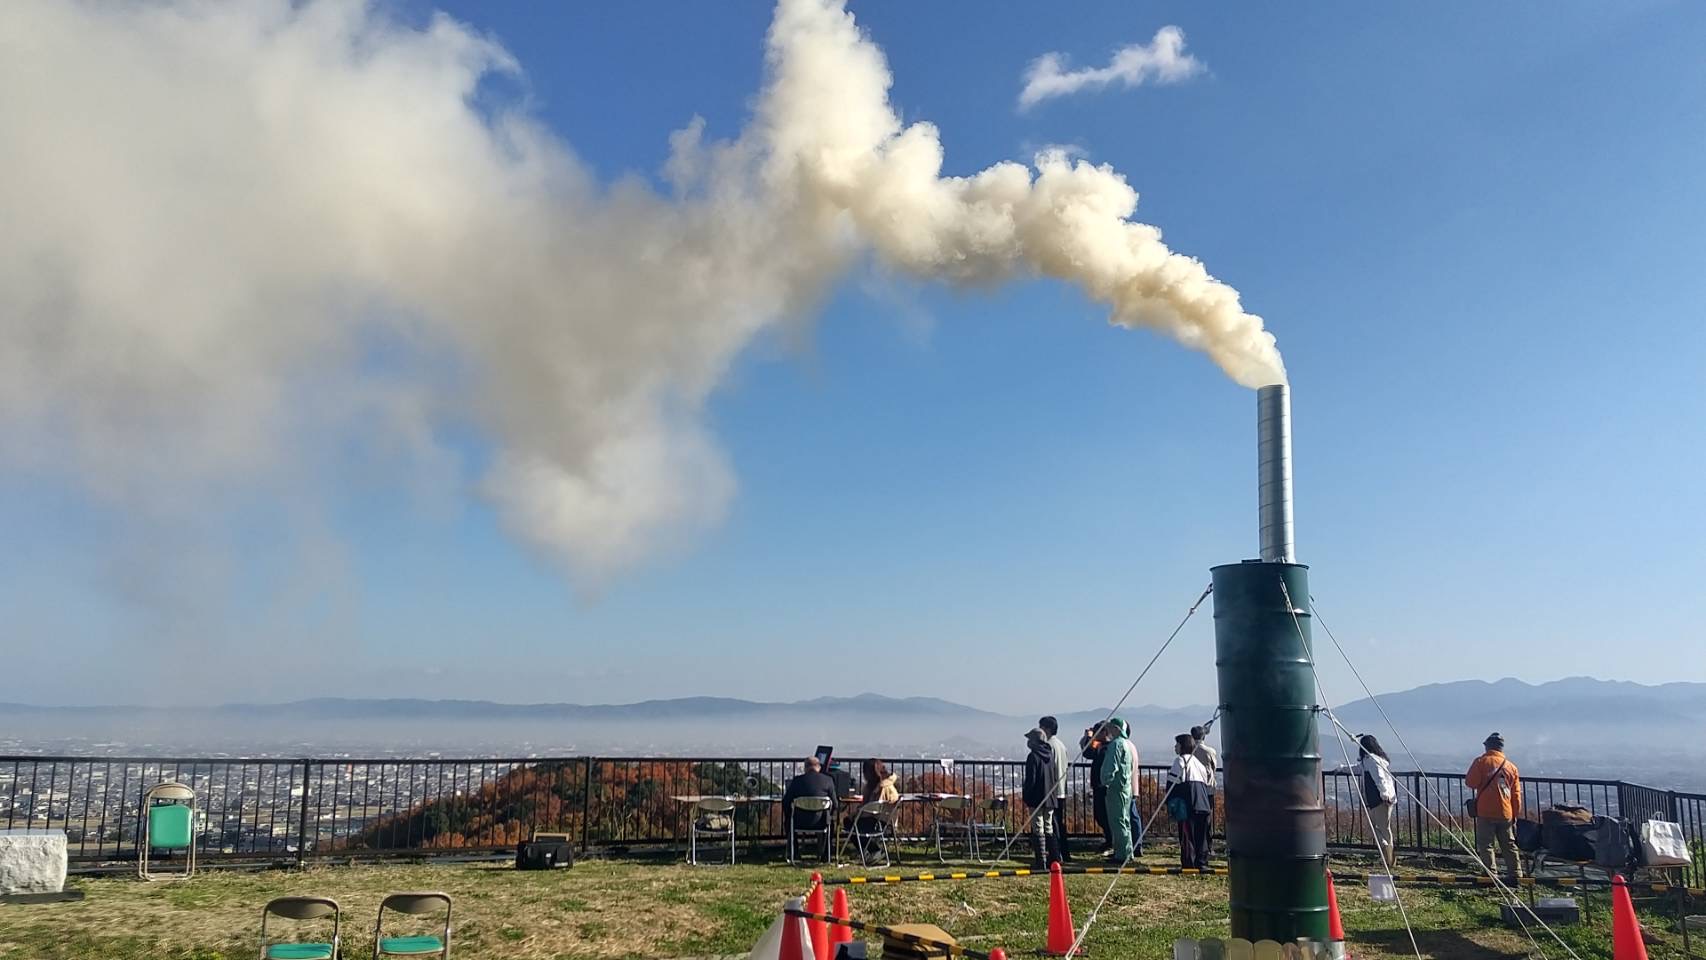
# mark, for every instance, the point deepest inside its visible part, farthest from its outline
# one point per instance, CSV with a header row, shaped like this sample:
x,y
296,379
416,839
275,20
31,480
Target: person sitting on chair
x,y
812,783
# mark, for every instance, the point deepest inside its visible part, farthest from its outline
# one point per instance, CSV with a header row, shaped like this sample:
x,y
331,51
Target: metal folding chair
x,y
873,826
704,823
415,945
989,819
953,822
822,805
168,823
301,909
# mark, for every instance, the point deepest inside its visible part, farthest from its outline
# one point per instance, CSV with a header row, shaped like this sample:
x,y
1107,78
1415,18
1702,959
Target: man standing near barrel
x,y
1119,768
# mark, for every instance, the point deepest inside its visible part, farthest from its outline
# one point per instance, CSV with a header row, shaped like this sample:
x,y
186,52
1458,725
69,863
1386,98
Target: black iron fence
x,y
315,808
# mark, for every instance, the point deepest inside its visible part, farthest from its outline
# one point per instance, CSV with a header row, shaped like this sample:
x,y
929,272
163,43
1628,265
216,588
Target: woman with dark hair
x,y
1379,793
879,783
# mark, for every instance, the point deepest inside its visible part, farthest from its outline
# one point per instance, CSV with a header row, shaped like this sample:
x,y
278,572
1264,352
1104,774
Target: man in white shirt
x,y
1062,764
1210,758
1187,802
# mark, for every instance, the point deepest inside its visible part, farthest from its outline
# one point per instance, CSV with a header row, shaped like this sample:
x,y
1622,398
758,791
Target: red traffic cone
x,y
841,933
819,929
1626,942
1335,929
1060,931
794,935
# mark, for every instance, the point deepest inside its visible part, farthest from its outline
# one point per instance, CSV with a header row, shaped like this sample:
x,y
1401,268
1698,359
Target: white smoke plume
x,y
1163,60
229,230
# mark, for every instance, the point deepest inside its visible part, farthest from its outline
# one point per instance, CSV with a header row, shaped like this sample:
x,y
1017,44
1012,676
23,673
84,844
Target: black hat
x,y
1494,740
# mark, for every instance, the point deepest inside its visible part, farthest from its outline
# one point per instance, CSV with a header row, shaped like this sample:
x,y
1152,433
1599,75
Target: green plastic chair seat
x,y
168,826
405,946
299,951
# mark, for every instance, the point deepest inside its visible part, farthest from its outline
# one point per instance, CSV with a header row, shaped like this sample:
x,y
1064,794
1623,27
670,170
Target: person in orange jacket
x,y
1498,805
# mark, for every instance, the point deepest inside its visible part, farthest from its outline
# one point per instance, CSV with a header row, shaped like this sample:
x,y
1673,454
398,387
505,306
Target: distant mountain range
x,y
1590,725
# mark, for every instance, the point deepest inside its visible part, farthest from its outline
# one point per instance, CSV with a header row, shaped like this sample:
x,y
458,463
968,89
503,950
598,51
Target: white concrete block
x,y
32,861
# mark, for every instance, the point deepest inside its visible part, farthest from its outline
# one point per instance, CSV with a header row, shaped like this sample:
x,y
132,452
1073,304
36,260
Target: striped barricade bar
x,y
1022,872
1482,880
1430,879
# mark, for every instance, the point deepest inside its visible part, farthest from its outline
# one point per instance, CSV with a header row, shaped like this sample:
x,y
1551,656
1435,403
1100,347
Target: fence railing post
x,y
1417,803
302,819
586,804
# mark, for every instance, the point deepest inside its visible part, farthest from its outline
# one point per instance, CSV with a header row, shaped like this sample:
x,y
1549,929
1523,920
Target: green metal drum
x,y
1276,835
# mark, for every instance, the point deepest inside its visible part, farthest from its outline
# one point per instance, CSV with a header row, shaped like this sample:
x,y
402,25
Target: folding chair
x,y
301,908
416,945
712,817
820,805
168,823
990,819
952,822
872,824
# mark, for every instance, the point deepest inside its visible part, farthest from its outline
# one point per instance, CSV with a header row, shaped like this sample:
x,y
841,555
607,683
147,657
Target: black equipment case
x,y
544,852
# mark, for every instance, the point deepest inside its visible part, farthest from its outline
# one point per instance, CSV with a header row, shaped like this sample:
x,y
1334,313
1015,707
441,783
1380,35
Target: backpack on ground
x,y
1614,844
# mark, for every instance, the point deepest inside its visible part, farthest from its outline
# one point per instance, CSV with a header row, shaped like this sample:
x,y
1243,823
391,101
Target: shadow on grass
x,y
1434,943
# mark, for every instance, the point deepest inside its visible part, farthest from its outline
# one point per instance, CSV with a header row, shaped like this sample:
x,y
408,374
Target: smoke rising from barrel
x,y
241,235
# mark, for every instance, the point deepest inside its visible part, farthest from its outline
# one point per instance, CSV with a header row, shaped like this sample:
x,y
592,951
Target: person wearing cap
x,y
1498,805
1038,792
1210,758
1062,763
1119,767
1187,802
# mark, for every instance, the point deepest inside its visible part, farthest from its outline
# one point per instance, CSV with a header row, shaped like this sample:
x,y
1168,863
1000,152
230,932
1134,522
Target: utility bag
x,y
543,854
1614,843
1371,797
1663,844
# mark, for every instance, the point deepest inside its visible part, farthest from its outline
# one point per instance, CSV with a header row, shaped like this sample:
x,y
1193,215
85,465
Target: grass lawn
x,y
618,908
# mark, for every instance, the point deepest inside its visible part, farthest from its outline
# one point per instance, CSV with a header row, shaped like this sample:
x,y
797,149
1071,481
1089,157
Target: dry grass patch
x,y
604,910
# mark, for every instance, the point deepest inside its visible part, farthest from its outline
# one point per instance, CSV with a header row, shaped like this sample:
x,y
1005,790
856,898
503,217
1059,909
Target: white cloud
x,y
1162,60
244,237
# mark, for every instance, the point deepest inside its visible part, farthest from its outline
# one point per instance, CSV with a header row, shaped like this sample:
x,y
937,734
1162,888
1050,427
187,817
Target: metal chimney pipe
x,y
1273,473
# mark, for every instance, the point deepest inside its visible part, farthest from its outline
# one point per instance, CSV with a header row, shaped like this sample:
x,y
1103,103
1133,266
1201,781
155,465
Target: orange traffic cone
x,y
1335,929
840,933
794,935
819,929
1626,942
1060,931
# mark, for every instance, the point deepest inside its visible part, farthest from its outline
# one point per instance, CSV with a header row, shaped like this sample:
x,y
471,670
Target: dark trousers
x,y
1193,841
1100,803
1208,831
1060,828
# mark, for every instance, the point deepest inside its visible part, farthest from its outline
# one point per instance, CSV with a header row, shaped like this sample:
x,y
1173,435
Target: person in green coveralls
x,y
1119,767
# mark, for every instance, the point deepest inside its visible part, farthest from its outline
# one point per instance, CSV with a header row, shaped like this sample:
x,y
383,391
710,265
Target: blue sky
x,y
1476,234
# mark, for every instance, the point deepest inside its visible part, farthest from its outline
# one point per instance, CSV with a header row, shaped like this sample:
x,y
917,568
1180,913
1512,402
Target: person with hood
x,y
1093,746
1119,768
1497,804
1062,765
1188,802
1038,792
1379,792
